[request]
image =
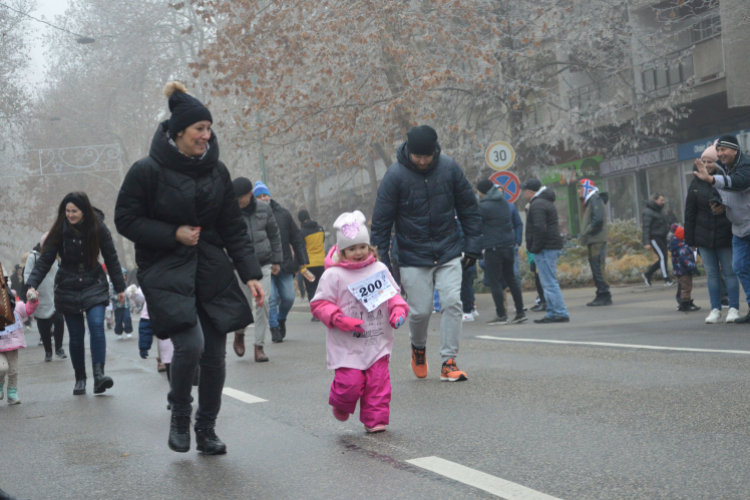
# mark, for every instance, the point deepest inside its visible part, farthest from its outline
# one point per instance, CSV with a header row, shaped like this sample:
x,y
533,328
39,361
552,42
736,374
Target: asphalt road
x,y
564,421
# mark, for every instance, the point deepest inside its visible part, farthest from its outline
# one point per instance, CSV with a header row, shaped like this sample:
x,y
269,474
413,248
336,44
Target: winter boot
x,y
282,327
208,442
13,396
276,337
239,343
601,300
101,381
688,306
80,387
179,434
260,356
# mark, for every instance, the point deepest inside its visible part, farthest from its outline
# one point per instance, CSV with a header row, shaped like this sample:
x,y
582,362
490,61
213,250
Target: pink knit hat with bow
x,y
351,229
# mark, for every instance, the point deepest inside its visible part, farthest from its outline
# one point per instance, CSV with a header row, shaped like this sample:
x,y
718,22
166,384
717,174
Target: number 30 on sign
x,y
500,156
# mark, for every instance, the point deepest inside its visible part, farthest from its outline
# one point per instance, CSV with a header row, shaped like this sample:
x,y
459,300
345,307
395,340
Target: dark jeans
x,y
467,288
77,331
123,321
312,286
498,266
598,261
659,247
145,335
201,345
45,330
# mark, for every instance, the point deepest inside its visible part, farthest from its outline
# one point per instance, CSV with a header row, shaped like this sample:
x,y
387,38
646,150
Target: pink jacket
x,y
345,350
15,339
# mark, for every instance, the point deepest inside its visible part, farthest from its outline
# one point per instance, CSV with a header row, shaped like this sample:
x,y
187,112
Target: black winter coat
x,y
655,223
542,230
291,240
263,232
702,227
79,287
497,222
423,205
166,190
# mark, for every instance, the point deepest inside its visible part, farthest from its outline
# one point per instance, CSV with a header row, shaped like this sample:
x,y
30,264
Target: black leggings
x,y
45,327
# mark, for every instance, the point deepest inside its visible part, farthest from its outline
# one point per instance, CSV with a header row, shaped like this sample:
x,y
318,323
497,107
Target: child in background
x,y
12,339
359,301
684,267
123,322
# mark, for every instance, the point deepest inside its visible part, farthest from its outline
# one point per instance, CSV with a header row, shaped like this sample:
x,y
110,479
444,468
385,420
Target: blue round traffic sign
x,y
510,184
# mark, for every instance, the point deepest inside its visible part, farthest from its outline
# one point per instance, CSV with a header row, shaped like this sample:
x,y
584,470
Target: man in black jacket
x,y
421,193
543,239
655,231
266,241
498,242
295,257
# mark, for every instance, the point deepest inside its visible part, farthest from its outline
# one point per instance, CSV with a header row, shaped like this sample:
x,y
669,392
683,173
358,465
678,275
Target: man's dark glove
x,y
467,262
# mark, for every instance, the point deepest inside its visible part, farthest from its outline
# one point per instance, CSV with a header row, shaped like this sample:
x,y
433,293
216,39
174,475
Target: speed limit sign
x,y
500,156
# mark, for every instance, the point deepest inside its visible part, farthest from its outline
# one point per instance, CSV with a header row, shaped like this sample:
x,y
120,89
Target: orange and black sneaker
x,y
451,373
418,362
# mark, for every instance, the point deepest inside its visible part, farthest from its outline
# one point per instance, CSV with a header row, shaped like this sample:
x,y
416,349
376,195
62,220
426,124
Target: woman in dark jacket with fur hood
x,y
78,236
711,233
179,208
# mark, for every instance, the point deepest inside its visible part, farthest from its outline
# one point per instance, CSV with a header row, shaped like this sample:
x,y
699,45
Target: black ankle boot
x,y
208,442
101,381
282,327
80,387
179,434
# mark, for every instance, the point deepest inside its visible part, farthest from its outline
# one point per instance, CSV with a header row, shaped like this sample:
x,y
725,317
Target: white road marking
x,y
491,484
607,344
242,396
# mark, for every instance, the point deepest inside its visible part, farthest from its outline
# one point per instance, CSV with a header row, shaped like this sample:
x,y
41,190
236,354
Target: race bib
x,y
373,291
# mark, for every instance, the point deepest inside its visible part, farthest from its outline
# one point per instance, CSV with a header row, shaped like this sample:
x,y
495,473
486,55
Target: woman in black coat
x,y
78,236
179,208
711,233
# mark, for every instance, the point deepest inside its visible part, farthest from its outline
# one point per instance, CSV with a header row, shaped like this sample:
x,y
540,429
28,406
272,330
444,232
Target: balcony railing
x,y
660,77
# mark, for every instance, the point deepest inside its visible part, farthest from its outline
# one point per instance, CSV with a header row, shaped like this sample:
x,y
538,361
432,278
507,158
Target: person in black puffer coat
x,y
543,239
78,236
179,207
711,233
421,194
655,231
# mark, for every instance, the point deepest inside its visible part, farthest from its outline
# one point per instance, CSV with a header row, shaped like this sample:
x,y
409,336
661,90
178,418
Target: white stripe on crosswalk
x,y
607,344
491,484
242,396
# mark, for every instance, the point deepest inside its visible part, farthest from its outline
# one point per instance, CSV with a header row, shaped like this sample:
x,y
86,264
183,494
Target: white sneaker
x,y
733,315
714,317
475,313
129,335
119,337
468,317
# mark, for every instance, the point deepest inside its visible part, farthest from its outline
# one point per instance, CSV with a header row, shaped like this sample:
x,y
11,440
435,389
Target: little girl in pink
x,y
360,303
11,340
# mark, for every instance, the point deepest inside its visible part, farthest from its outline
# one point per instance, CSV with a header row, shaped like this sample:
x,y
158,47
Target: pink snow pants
x,y
371,387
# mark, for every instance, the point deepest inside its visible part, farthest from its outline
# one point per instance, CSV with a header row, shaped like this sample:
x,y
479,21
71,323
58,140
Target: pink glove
x,y
398,316
347,324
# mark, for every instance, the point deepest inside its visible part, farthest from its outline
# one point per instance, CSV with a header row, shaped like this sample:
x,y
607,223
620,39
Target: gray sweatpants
x,y
260,314
420,283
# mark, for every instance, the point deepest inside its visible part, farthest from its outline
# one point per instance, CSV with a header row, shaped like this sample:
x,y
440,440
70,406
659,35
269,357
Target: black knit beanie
x,y
75,200
728,141
303,215
242,186
422,140
484,186
185,109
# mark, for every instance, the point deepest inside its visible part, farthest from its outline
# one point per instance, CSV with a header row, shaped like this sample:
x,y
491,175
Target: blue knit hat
x,y
260,189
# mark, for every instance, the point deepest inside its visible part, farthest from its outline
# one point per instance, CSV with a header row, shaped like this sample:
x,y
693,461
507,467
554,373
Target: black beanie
x,y
185,109
728,141
422,140
75,200
303,215
242,186
484,186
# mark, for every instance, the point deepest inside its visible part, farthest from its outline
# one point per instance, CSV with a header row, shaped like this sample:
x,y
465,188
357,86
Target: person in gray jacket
x,y
594,236
45,314
266,240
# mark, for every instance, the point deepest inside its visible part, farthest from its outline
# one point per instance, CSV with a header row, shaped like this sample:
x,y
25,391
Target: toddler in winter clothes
x,y
360,303
684,267
121,311
12,339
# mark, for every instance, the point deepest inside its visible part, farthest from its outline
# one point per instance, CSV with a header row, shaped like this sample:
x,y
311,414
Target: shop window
x,y
622,197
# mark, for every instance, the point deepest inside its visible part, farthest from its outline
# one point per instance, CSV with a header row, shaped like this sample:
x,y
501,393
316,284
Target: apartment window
x,y
705,29
663,74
